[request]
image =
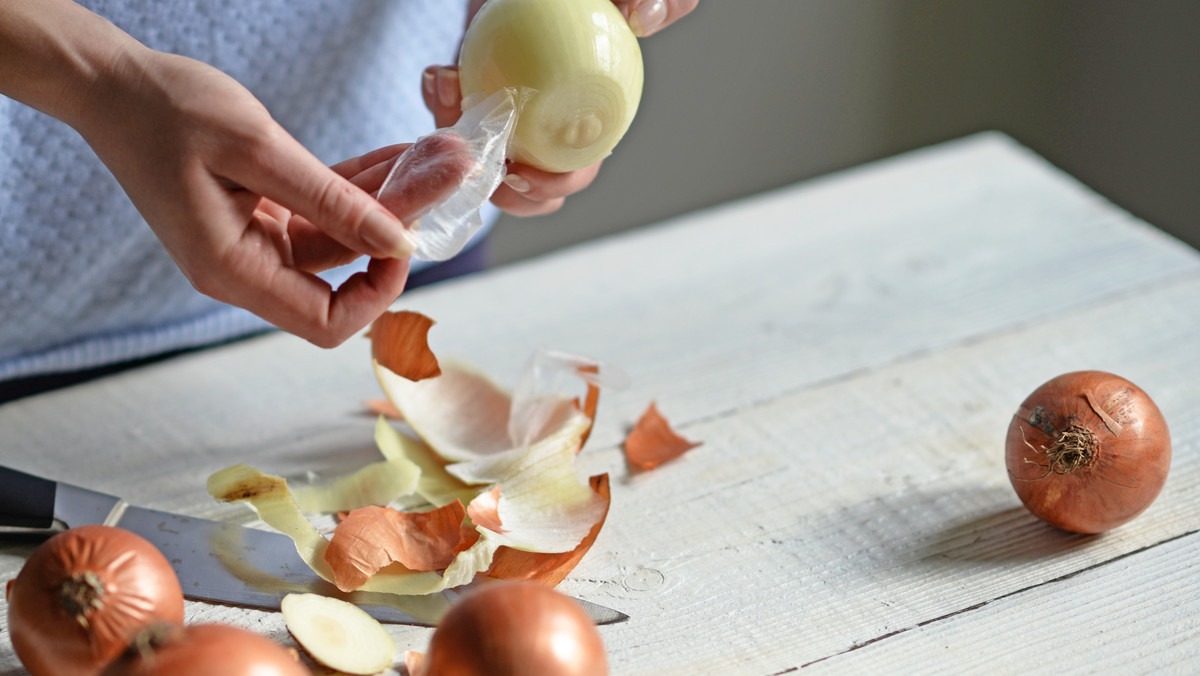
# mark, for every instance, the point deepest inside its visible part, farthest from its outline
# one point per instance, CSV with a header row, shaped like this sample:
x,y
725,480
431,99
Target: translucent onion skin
x,y
83,595
579,62
1078,471
510,628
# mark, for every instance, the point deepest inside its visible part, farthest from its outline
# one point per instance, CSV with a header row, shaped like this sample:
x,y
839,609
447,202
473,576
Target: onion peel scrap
x,y
382,407
370,538
484,510
400,342
549,568
270,497
375,484
653,442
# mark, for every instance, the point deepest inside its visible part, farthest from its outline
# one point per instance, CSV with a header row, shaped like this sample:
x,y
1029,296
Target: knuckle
x,y
336,202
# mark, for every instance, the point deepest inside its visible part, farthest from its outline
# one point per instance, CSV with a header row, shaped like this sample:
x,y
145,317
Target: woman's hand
x,y
246,212
647,17
529,191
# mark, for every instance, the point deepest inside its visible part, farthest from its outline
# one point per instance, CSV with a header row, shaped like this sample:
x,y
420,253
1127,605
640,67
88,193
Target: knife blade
x,y
214,561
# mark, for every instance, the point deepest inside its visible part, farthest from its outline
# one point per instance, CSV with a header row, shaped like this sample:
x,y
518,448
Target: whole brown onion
x,y
82,596
207,649
512,628
1088,451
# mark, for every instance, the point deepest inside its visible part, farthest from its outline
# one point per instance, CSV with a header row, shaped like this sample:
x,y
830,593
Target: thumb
x,y
287,173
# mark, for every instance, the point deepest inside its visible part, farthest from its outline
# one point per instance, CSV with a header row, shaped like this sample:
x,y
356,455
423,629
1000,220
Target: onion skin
x,y
82,596
514,628
1114,472
206,650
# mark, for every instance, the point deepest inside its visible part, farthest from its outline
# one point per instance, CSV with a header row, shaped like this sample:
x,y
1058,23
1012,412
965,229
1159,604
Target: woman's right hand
x,y
245,211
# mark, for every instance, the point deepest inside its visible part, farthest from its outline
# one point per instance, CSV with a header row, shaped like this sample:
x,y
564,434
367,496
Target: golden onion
x,y
576,66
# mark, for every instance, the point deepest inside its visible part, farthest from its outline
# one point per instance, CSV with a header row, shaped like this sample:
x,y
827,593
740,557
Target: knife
x,y
216,562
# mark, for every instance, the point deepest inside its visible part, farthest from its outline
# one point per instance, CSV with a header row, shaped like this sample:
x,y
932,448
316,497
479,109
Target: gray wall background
x,y
747,95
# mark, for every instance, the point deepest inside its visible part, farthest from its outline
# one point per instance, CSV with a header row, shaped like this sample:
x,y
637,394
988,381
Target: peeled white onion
x,y
576,66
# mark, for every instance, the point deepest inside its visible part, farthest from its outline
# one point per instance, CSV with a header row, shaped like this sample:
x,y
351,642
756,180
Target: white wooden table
x,y
849,350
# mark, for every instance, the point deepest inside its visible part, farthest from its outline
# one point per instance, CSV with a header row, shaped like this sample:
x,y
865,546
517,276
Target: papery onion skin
x,y
1078,471
577,65
515,628
83,594
206,650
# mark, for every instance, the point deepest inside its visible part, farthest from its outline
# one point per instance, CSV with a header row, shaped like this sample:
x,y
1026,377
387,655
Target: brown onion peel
x,y
549,568
1088,451
514,628
400,343
82,596
653,442
370,538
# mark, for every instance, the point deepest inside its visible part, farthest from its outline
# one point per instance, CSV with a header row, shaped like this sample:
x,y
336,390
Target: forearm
x,y
53,52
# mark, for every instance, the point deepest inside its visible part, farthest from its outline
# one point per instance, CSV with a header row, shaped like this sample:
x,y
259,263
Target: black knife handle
x,y
26,501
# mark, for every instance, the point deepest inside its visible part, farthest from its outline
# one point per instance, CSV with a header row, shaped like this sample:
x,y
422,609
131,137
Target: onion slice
x,y
337,634
653,442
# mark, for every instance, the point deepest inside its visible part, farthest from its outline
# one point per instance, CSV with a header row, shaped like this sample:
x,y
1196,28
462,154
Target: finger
x,y
442,93
518,205
279,168
647,17
371,178
435,167
354,166
252,274
537,184
314,251
305,305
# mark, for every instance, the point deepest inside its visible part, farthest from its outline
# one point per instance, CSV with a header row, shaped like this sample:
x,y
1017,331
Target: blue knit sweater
x,y
83,280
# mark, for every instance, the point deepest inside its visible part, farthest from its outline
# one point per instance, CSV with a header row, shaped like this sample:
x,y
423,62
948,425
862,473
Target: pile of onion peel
x,y
338,634
512,628
653,442
83,595
509,458
1088,451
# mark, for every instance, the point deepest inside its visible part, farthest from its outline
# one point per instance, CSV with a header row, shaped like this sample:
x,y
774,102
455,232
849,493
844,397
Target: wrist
x,y
54,54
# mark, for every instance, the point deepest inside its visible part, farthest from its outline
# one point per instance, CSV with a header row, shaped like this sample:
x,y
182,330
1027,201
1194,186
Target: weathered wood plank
x,y
828,518
1133,615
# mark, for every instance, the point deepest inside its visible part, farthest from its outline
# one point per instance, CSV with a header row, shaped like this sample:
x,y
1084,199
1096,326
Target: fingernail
x,y
648,17
448,91
387,234
429,82
518,183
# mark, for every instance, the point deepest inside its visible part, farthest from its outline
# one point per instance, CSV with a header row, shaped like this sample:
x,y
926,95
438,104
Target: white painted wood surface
x,y
848,350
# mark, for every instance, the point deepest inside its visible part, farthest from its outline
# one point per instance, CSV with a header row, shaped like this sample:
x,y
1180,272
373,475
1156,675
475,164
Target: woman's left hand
x,y
529,191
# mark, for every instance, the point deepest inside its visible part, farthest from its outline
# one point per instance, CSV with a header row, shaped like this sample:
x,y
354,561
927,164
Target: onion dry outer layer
x,y
83,595
205,650
515,628
653,442
1088,451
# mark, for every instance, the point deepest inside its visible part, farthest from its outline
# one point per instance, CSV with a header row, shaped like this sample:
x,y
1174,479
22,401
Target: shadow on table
x,y
1007,535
